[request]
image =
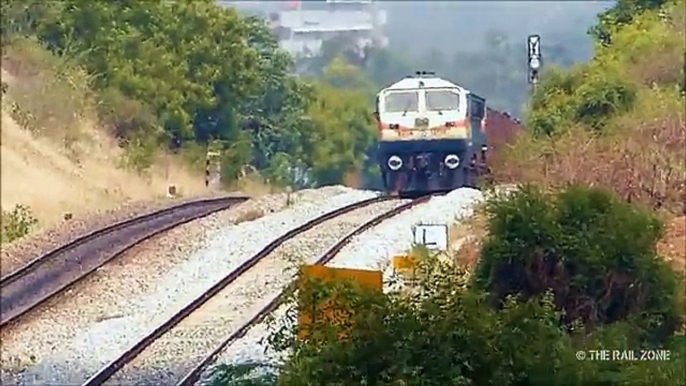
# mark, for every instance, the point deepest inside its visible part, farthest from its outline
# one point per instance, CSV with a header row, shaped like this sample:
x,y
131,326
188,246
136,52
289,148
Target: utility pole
x,y
535,59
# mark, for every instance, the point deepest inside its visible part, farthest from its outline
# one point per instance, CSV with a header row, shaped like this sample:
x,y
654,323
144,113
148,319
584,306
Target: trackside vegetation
x,y
617,121
569,264
16,223
559,273
189,75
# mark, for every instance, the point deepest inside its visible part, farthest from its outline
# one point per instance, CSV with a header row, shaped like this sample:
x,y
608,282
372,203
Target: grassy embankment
x,y
57,157
616,122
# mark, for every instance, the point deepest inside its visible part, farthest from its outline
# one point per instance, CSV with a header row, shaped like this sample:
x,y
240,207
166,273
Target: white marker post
x,y
432,236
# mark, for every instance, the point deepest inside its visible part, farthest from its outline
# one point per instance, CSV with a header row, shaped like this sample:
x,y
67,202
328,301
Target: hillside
x,y
51,179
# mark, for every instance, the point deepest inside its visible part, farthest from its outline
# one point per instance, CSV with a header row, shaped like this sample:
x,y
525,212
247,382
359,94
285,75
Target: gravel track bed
x,y
375,248
22,251
76,333
371,250
170,358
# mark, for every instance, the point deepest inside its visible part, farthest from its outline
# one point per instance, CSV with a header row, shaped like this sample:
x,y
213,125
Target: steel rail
x,y
10,277
114,366
197,209
194,375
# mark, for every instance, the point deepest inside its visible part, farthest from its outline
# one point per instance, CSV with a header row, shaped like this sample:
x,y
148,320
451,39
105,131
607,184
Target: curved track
x,y
30,286
113,367
194,375
108,371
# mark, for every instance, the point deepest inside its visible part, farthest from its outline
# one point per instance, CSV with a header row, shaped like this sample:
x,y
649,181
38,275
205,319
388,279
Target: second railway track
x,y
30,286
141,365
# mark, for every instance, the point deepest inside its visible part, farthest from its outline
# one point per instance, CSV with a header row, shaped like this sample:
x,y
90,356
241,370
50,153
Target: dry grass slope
x,y
57,160
42,176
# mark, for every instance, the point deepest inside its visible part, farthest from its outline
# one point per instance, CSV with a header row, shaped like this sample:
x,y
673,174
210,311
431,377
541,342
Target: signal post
x,y
535,59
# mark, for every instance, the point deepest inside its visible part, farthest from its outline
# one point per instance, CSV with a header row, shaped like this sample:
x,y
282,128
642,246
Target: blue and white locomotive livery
x,y
431,135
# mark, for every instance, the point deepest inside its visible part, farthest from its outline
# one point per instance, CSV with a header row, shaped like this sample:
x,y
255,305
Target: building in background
x,y
302,26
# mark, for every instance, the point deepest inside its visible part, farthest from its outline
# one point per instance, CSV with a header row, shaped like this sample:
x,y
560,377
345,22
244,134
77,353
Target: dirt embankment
x,y
39,171
55,160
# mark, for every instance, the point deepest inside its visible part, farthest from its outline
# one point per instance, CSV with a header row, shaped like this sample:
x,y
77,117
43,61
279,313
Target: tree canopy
x,y
616,121
200,73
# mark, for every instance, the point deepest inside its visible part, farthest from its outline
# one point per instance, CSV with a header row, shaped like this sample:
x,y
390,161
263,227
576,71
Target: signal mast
x,y
535,59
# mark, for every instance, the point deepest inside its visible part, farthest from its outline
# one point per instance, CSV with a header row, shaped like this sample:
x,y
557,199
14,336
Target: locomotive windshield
x,y
442,100
399,102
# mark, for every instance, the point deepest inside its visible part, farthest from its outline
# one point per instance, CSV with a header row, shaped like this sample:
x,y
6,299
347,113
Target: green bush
x,y
234,159
602,97
17,223
595,252
443,335
622,14
446,333
587,94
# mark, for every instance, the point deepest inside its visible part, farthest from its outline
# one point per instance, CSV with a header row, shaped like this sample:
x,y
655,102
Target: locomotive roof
x,y
412,83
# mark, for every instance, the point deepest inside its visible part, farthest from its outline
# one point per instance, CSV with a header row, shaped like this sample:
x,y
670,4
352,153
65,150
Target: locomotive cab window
x,y
399,102
442,100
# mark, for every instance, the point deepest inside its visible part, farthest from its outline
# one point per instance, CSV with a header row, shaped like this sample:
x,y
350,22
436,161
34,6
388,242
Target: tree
x,y
444,333
622,14
187,72
340,132
596,253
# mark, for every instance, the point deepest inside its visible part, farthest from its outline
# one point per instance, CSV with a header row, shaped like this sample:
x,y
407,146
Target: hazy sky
x,y
415,27
450,26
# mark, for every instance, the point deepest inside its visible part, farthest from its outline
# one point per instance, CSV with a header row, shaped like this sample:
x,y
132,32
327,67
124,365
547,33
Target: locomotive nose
x,y
395,163
452,161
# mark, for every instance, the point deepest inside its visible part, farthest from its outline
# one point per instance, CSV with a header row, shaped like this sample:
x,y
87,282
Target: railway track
x,y
108,371
43,278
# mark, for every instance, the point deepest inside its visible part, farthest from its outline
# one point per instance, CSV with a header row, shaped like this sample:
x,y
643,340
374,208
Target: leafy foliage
x,y
446,333
615,122
192,71
594,251
343,131
648,50
17,223
585,95
242,375
623,13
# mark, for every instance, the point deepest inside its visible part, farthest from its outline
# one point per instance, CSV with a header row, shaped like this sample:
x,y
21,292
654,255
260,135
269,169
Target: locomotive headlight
x,y
395,163
452,161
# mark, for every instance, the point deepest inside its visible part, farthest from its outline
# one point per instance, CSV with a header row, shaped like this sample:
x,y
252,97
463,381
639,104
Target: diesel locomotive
x,y
432,135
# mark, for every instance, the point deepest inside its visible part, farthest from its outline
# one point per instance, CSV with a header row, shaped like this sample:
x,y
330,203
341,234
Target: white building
x,y
307,24
302,26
